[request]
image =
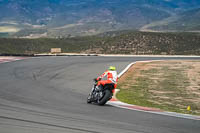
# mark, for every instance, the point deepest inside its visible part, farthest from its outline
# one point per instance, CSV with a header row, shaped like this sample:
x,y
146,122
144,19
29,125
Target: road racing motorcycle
x,y
100,94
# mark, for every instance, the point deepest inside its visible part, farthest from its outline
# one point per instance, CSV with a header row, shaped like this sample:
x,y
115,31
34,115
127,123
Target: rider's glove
x,y
98,79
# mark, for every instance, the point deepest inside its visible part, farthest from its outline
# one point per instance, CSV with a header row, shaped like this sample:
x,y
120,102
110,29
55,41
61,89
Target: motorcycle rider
x,y
108,77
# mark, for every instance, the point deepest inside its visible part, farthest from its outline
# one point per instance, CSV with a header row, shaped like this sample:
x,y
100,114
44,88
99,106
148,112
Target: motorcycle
x,y
100,94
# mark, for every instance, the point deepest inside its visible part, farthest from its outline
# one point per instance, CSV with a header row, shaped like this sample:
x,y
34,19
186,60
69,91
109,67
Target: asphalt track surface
x,y
48,95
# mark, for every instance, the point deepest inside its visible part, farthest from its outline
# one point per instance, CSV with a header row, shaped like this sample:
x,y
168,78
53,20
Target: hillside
x,y
150,43
66,18
186,21
126,42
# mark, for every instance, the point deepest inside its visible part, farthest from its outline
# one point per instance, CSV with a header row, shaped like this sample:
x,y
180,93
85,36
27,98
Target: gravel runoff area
x,y
168,85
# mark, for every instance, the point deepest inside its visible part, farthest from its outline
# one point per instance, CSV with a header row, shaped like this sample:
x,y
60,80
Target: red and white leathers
x,y
111,78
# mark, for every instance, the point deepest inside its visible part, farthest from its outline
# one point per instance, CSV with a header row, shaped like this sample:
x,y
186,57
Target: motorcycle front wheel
x,y
89,99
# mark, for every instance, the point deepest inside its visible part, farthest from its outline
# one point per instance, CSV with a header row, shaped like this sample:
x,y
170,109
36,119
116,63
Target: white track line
x,y
121,55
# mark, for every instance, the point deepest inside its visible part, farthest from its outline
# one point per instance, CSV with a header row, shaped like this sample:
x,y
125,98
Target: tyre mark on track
x,y
32,127
40,113
61,117
48,124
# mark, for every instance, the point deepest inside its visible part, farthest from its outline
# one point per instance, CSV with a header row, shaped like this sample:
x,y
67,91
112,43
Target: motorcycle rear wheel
x,y
105,98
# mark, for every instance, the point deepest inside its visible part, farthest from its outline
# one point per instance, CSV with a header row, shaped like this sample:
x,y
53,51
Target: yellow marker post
x,y
188,108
